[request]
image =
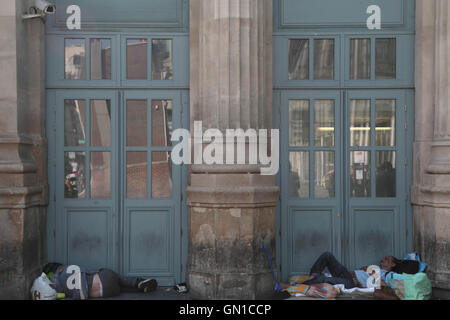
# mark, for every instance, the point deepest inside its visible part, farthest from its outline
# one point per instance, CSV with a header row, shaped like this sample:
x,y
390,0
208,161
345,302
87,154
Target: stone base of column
x,y
23,222
232,211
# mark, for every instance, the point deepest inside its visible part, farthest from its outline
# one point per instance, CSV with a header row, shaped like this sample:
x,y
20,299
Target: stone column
x,y
431,186
23,150
232,207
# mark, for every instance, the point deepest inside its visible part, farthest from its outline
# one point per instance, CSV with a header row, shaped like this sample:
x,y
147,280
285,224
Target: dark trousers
x,y
340,274
113,284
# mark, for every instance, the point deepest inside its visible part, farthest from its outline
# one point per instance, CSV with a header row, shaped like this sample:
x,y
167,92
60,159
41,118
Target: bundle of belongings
x,y
413,285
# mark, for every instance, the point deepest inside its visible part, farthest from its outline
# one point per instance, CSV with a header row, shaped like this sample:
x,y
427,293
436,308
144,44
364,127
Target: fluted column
x,y
431,187
23,150
232,207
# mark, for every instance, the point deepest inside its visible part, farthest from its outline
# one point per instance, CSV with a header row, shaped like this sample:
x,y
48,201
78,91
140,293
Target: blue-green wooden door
x,y
116,90
118,197
344,176
344,103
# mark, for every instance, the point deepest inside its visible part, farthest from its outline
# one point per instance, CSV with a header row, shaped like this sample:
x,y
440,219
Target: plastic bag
x,y
41,289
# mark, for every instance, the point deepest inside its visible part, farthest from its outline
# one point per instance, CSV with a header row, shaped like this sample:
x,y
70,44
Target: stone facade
x,y
23,150
431,179
232,208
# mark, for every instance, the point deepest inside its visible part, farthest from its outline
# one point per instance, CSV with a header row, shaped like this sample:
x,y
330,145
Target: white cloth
x,y
342,289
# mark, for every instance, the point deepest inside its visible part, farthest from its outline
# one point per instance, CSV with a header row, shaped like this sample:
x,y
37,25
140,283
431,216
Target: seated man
x,y
78,283
357,278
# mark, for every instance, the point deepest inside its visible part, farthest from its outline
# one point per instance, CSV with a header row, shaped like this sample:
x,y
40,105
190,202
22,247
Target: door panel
x,y
86,160
375,170
311,149
151,189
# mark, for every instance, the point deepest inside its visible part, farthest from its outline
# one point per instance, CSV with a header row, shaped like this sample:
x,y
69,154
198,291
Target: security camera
x,y
45,6
40,9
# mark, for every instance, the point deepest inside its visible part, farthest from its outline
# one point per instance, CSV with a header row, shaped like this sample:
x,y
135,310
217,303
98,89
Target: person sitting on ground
x,y
357,278
79,283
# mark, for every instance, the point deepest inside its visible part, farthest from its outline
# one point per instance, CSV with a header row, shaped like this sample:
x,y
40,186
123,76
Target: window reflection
x,y
161,175
324,123
324,175
74,122
299,174
360,174
299,123
136,123
360,123
100,59
385,60
162,68
100,175
137,59
136,174
74,175
100,123
162,125
360,59
385,122
75,59
386,174
298,59
324,59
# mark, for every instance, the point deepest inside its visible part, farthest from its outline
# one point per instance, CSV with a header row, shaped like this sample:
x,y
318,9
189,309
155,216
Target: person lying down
x,y
319,285
77,282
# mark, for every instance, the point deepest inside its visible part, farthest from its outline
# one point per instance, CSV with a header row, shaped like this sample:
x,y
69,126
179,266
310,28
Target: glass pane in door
x,y
74,122
162,68
323,59
386,174
136,123
385,122
162,123
137,59
101,59
298,59
360,174
324,175
136,174
324,123
74,175
299,174
299,123
100,123
161,175
360,59
100,175
75,59
386,58
359,123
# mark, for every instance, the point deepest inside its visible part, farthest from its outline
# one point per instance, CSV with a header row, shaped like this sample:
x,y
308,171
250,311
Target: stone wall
x,y
23,150
431,179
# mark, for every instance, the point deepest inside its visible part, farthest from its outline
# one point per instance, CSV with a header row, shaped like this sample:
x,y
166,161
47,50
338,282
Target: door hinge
x,y
406,108
181,232
54,234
